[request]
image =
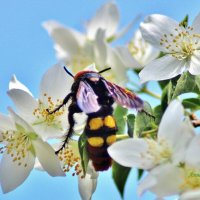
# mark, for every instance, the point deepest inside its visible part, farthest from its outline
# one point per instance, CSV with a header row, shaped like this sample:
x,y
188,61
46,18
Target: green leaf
x,y
184,22
144,122
82,145
120,117
120,175
192,103
130,123
186,83
158,114
140,173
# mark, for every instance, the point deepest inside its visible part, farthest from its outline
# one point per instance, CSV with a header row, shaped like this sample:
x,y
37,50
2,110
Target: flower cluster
x,y
161,141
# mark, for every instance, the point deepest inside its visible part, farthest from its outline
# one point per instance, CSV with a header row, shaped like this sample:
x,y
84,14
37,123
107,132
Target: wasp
x,y
92,94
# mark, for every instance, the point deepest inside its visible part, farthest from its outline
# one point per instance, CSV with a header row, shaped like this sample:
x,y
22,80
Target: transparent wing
x,y
123,96
87,99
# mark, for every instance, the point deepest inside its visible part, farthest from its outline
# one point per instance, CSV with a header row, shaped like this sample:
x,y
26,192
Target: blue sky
x,y
27,51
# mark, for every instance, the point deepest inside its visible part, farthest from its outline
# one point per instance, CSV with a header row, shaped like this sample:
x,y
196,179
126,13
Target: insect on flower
x,y
93,95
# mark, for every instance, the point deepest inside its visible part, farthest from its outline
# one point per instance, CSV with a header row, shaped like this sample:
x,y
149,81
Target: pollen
x,y
158,151
109,121
18,146
182,43
96,141
70,160
95,123
42,115
191,179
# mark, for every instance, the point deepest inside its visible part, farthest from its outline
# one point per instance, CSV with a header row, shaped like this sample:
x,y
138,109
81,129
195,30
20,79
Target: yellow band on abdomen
x,y
96,141
110,139
109,121
95,123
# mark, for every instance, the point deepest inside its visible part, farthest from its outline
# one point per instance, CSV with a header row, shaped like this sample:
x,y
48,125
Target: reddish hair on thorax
x,y
81,73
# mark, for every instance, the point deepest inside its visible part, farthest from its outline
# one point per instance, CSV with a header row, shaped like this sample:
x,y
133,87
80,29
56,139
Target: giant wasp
x,y
94,95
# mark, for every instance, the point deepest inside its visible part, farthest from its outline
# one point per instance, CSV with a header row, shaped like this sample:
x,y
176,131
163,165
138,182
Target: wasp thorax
x,y
42,112
18,145
182,43
69,159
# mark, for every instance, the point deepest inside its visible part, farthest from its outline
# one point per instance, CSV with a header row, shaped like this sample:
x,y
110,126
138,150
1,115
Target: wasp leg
x,y
73,108
66,99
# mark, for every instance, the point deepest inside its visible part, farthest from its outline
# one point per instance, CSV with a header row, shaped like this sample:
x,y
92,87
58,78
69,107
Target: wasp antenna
x,y
104,70
68,72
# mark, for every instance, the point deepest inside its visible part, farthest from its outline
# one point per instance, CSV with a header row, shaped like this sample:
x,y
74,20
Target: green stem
x,y
146,133
145,90
121,137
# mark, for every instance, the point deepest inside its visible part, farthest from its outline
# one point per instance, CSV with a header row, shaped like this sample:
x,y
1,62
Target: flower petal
x,y
143,51
47,157
56,84
6,123
67,39
127,58
11,174
184,137
15,84
163,180
131,153
194,68
115,62
20,121
190,195
162,68
106,18
24,103
174,114
127,28
87,185
155,26
195,24
100,48
192,153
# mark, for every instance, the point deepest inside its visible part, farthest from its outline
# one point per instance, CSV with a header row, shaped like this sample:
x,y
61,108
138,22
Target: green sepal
x,y
82,145
186,83
192,103
140,173
120,117
184,22
120,176
158,114
144,122
130,124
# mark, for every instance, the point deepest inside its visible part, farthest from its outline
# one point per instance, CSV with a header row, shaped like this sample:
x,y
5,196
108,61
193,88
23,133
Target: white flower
x,y
181,46
182,179
72,47
87,185
106,18
77,52
174,134
21,146
54,86
71,162
141,50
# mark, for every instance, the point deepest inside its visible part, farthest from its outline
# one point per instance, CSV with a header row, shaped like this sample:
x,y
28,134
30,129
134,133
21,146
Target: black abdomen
x,y
101,133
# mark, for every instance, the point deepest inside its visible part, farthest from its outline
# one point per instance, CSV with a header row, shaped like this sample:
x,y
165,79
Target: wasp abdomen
x,y
101,133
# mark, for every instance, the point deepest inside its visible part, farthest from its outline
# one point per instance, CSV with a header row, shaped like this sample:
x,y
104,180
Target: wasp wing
x,y
86,98
124,97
